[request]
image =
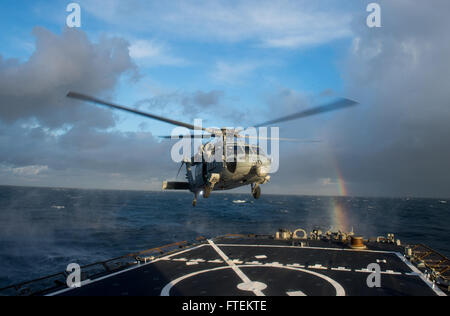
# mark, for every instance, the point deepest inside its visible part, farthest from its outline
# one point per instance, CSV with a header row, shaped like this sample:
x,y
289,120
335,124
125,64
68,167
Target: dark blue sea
x,y
42,230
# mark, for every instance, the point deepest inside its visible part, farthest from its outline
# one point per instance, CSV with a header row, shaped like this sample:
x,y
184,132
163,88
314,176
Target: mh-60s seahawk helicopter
x,y
239,163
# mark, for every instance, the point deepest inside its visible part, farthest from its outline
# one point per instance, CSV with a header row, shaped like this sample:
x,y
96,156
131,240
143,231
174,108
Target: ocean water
x,y
42,230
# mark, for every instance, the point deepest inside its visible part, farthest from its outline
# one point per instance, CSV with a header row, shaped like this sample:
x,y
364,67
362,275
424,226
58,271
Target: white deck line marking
x,y
130,269
391,272
235,268
296,293
178,260
191,263
318,266
274,264
341,269
261,257
339,289
436,289
296,247
295,265
184,251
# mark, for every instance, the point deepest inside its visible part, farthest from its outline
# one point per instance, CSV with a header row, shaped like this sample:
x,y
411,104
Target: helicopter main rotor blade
x,y
187,136
179,170
245,137
333,106
280,139
82,97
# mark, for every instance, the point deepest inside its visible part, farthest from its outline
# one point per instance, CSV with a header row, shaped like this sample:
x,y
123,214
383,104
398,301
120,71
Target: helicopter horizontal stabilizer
x,y
175,185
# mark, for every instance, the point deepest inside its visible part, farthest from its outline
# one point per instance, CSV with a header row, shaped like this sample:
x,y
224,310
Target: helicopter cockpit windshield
x,y
243,152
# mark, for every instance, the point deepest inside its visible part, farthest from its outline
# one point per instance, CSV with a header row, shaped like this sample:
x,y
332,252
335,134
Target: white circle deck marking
x,y
252,286
232,264
339,289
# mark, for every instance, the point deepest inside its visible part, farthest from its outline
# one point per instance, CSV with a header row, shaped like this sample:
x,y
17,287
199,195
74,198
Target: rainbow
x,y
342,187
338,214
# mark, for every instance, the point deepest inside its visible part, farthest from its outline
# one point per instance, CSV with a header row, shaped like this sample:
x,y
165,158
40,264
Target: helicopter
x,y
240,163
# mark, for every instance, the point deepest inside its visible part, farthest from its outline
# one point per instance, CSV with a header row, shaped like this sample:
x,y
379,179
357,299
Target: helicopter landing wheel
x,y
207,192
256,192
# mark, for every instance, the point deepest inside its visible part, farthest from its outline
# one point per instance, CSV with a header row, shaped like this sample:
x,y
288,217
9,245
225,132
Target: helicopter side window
x,y
236,151
240,153
230,152
253,153
245,152
259,151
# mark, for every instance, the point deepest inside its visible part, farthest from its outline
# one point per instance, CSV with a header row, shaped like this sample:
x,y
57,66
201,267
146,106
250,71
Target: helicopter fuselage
x,y
241,165
232,175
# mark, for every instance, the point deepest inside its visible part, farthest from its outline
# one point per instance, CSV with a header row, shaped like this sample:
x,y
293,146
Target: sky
x,y
230,63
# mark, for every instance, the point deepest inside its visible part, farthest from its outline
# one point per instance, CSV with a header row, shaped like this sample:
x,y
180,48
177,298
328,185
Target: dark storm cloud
x,y
116,152
397,142
37,88
47,139
401,73
304,166
97,157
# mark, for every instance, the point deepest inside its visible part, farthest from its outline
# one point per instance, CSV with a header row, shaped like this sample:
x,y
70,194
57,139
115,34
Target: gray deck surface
x,y
321,269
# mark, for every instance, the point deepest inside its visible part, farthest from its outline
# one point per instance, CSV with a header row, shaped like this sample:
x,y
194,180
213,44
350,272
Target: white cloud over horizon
x,y
153,53
277,24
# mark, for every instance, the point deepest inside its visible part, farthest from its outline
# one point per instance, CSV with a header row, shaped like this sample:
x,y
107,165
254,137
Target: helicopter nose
x,y
263,169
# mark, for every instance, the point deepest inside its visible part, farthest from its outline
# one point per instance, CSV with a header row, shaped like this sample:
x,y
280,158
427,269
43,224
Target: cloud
x,y
234,72
36,89
280,24
83,157
29,170
46,139
153,53
189,102
203,99
396,143
306,39
287,100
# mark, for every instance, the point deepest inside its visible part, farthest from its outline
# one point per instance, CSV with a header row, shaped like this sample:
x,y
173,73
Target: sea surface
x,y
42,230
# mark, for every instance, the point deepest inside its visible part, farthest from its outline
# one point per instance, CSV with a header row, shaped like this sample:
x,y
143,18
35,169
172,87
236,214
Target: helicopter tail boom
x,y
175,185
